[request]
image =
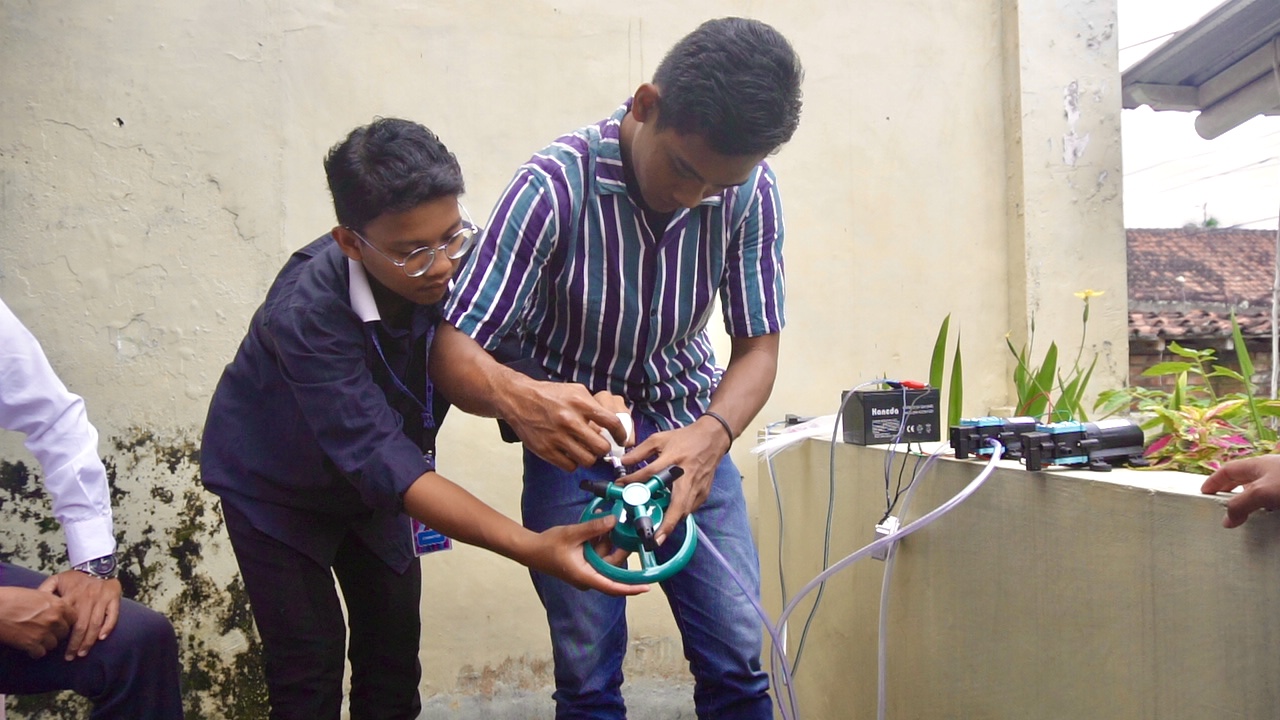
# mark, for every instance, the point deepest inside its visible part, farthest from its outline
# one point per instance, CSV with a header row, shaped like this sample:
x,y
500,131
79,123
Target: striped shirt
x,y
569,266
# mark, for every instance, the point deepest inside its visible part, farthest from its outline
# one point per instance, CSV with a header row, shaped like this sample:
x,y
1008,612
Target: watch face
x,y
103,567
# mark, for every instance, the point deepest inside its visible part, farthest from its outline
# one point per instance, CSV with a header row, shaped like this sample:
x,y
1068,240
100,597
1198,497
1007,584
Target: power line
x,y
1144,42
1219,151
1257,165
1240,225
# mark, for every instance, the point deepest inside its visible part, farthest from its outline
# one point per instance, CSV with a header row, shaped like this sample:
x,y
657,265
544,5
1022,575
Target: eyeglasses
x,y
418,262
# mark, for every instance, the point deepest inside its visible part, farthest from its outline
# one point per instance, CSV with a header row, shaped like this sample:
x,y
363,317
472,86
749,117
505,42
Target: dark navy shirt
x,y
316,430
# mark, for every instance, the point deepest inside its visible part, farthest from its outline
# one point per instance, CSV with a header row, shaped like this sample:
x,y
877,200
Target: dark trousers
x,y
300,620
132,674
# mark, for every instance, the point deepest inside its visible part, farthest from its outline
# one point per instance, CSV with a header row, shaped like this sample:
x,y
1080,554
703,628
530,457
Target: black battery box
x,y
879,417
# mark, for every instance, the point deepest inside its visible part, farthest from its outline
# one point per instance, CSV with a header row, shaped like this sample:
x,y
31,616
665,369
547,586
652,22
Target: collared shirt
x,y
317,426
569,266
33,401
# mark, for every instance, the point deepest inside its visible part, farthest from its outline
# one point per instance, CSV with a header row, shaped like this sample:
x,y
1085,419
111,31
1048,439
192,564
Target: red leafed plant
x,y
1193,427
1200,439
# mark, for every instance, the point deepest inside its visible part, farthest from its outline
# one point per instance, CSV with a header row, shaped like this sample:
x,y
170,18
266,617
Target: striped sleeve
x,y
754,288
496,283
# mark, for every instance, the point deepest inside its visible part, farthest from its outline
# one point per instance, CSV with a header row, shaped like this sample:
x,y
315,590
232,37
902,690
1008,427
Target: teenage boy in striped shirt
x,y
601,263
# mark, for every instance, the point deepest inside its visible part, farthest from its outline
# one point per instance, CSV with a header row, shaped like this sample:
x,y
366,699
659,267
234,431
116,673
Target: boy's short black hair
x,y
733,81
389,166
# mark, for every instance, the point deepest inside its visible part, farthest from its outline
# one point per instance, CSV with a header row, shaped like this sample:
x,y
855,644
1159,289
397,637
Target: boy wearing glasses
x,y
320,437
603,260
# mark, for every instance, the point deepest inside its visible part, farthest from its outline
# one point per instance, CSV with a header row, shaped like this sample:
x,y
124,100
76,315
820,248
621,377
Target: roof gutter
x,y
1227,66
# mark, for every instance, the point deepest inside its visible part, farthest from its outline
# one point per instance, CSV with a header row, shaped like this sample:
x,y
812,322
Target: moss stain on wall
x,y
174,558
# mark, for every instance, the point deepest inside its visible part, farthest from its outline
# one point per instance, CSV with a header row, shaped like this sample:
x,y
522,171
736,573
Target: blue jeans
x,y
721,631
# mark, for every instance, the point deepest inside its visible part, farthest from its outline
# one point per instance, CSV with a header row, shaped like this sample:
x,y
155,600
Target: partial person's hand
x,y
697,449
560,554
33,621
1260,479
617,405
97,606
561,423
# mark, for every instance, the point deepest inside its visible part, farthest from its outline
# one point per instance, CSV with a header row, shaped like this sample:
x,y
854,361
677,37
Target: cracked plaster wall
x,y
158,164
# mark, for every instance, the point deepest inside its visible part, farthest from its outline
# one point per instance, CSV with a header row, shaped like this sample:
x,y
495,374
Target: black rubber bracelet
x,y
723,423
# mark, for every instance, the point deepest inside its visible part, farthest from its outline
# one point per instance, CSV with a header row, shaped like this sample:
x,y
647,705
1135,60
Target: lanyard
x,y
428,417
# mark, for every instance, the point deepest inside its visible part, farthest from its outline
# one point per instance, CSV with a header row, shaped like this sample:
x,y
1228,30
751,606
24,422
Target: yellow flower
x,y
1089,293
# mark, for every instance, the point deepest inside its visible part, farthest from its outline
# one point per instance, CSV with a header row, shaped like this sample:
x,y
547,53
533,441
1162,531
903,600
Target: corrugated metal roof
x,y
1217,41
1226,65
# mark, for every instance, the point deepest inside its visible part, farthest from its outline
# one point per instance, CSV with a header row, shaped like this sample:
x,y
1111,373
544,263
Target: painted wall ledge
x,y
1051,594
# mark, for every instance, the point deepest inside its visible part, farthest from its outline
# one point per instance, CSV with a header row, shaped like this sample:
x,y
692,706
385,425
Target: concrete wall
x,y
158,163
1055,594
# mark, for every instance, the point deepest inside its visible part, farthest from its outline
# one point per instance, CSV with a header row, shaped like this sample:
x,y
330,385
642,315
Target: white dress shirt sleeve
x,y
33,401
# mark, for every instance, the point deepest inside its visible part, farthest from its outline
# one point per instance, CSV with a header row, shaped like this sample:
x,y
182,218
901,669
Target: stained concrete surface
x,y
646,698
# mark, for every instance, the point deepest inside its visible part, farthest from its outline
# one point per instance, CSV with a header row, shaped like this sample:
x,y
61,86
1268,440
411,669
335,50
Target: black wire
x,y
889,502
888,457
831,508
777,497
897,492
915,472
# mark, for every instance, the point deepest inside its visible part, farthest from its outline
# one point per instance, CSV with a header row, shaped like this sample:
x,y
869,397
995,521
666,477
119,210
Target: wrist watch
x,y
103,568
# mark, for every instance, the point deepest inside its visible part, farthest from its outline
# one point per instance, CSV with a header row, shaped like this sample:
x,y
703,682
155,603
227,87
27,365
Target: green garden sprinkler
x,y
639,508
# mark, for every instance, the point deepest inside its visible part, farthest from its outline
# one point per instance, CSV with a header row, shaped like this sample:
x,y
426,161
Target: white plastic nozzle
x,y
616,450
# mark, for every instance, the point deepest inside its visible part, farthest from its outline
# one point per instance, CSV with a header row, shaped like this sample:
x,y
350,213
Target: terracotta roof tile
x,y
1198,324
1184,283
1198,266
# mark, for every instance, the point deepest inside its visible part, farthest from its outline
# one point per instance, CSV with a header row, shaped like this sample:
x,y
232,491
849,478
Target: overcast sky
x,y
1171,175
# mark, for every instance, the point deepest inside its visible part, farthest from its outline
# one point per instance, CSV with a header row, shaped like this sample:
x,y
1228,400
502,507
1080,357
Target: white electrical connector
x,y
888,527
616,451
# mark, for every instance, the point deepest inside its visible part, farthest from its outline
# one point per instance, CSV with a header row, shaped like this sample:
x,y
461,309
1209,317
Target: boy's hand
x,y
560,554
1260,478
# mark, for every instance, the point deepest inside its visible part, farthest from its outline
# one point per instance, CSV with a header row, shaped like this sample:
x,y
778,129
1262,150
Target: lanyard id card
x,y
426,540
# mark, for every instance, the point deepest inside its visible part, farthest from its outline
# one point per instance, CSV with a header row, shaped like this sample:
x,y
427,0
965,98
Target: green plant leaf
x,y
1110,402
1067,401
1264,431
956,392
1037,400
1242,352
1165,419
1074,396
1167,368
1221,371
1222,409
1020,373
1152,422
1232,409
1188,353
939,357
1179,391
